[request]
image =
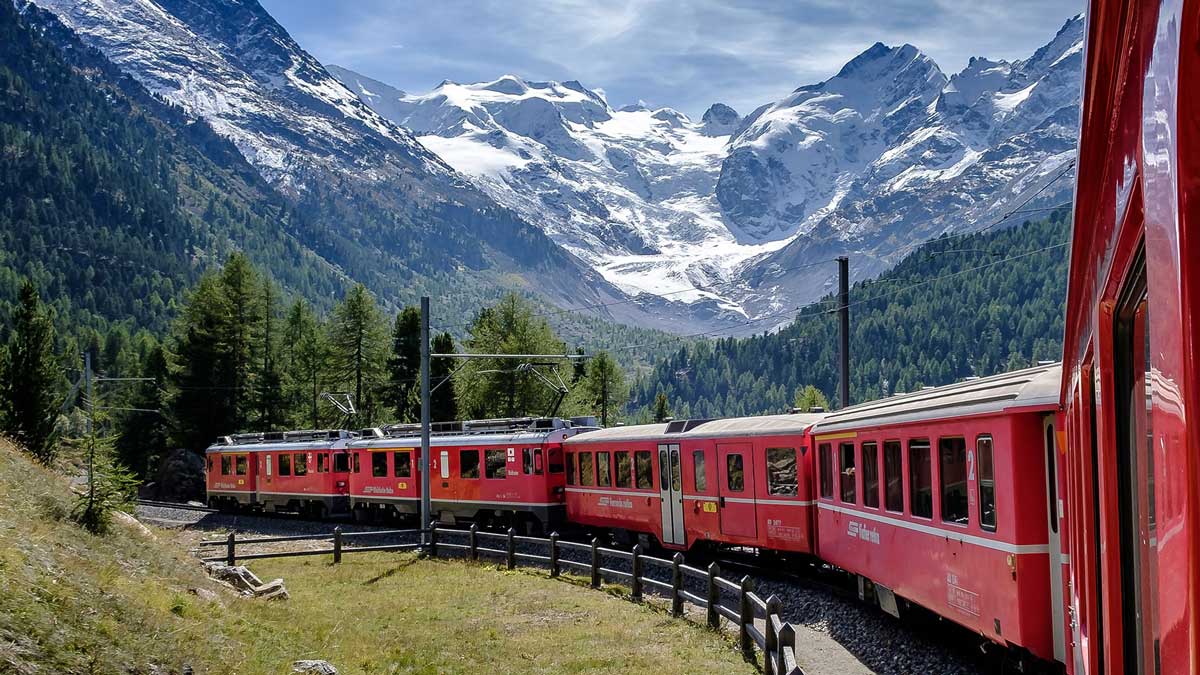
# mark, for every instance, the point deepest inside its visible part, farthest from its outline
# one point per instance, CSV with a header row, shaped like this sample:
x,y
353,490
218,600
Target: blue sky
x,y
685,54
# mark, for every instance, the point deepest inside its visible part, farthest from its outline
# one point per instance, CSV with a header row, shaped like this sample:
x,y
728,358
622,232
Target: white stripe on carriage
x,y
1019,549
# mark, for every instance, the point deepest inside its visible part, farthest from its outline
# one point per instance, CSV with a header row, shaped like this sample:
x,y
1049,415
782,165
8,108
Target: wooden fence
x,y
777,640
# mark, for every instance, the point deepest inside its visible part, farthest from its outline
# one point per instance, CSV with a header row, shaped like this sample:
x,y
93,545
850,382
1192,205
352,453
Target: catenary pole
x,y
844,326
426,478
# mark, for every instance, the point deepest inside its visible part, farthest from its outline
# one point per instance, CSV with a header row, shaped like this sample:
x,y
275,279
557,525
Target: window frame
x,y
966,480
300,464
569,467
870,496
604,469
379,469
643,459
618,473
463,465
729,473
502,467
847,475
901,485
699,471
915,444
322,462
792,489
397,456
825,470
348,462
587,463
285,464
991,441
226,465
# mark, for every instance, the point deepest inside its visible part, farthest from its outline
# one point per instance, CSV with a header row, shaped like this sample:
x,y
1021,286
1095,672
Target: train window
x,y
240,465
952,472
587,473
378,464
644,469
402,465
920,480
846,475
226,465
285,464
676,472
357,464
526,461
870,462
268,466
341,462
554,460
444,464
537,461
987,483
495,464
735,474
826,456
570,468
208,463
624,468
468,463
781,472
322,462
893,477
699,471
300,465
603,470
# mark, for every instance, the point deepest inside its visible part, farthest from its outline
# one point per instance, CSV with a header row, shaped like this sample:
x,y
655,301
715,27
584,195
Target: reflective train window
x,y
987,483
526,461
699,469
624,469
893,476
554,460
825,453
570,468
401,465
603,472
285,464
587,473
870,462
495,464
644,468
735,475
952,471
341,462
781,472
846,475
226,465
239,465
468,463
300,464
920,479
378,464
322,462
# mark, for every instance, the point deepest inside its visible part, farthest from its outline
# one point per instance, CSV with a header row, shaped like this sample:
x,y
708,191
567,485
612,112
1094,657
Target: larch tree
x,y
357,341
605,386
404,364
31,378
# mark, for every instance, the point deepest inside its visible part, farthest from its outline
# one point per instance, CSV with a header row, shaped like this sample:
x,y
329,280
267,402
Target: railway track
x,y
175,505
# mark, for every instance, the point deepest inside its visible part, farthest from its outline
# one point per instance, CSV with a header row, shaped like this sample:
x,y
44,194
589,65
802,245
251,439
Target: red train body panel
x,y
1131,388
940,497
306,471
736,482
508,469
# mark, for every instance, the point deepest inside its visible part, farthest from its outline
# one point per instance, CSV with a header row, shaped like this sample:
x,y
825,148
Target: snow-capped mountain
x,y
720,213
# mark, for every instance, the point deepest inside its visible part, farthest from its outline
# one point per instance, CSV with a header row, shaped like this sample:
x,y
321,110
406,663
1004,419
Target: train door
x,y
1135,478
1053,513
670,489
735,466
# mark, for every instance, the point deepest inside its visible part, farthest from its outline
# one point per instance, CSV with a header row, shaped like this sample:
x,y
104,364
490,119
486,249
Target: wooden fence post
x,y
595,562
635,584
746,618
714,596
337,545
553,554
771,644
676,585
511,557
785,638
231,549
433,539
473,541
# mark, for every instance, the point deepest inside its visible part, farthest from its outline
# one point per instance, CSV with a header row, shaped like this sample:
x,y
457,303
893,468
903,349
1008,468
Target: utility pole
x,y
91,408
844,325
426,478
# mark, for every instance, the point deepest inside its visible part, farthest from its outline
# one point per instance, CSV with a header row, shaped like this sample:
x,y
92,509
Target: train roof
x,y
762,425
1031,388
304,439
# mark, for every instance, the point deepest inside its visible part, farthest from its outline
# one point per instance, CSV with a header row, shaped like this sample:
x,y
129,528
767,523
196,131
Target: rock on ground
x,y
310,667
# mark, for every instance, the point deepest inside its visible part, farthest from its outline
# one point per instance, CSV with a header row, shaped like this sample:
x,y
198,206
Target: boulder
x,y
180,477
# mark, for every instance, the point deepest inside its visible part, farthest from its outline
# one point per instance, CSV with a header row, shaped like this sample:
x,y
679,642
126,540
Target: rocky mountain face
x,y
727,214
378,203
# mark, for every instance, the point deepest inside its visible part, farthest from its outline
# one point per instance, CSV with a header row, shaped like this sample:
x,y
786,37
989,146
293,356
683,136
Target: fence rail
x,y
776,640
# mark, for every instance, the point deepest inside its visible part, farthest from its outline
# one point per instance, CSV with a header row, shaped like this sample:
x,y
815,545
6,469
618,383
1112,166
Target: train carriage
x,y
730,482
1131,388
303,471
947,498
508,471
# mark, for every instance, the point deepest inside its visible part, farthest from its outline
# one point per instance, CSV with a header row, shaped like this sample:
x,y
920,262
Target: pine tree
x,y
306,354
605,386
661,408
206,403
269,390
404,363
241,334
443,406
143,433
30,378
358,349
